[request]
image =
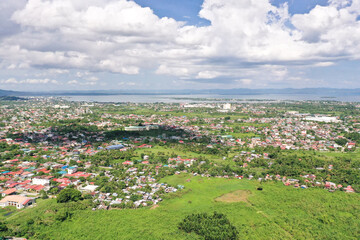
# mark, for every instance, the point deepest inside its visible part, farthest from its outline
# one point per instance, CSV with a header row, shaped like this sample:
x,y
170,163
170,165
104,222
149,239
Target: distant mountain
x,y
328,92
288,91
9,93
11,98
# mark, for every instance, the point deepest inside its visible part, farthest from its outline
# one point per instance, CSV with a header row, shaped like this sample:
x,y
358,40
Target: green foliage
x,y
62,215
277,212
211,227
43,194
3,228
341,141
69,194
135,197
354,136
6,147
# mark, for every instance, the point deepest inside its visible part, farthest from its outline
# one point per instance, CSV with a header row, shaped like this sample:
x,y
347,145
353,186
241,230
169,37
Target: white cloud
x,y
92,79
72,82
29,81
207,75
245,81
127,84
9,81
324,64
39,81
247,39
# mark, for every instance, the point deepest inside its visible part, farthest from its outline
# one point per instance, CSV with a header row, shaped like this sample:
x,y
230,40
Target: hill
x,y
276,212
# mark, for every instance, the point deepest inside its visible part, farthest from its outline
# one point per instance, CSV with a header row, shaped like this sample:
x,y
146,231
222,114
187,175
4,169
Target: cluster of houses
x,y
45,154
144,197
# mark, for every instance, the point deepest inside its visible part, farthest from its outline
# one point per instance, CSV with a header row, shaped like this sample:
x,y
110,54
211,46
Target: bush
x,y
62,215
68,195
3,229
211,227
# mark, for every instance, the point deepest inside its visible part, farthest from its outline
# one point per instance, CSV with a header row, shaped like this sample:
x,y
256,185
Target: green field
x,y
176,152
277,212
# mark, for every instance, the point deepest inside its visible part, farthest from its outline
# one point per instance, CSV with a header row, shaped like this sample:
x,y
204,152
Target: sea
x,y
138,98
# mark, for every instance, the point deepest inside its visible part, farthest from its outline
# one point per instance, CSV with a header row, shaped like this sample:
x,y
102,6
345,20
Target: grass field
x,y
183,154
277,212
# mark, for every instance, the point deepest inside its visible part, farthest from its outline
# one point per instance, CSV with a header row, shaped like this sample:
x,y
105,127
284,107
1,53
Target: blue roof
x,y
62,172
114,147
5,172
64,167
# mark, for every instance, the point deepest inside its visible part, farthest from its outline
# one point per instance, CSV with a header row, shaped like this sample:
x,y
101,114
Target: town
x,y
115,155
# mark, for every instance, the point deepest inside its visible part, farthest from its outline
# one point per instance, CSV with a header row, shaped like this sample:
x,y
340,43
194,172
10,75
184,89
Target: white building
x,y
72,170
89,188
17,201
40,181
322,119
227,106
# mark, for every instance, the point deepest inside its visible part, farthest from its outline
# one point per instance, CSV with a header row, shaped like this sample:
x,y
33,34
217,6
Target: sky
x,y
48,45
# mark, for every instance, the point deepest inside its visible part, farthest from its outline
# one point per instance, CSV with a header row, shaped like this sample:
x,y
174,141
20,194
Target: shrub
x,y
211,227
62,215
68,195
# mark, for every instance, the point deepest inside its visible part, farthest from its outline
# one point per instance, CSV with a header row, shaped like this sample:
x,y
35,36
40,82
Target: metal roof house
x,y
115,147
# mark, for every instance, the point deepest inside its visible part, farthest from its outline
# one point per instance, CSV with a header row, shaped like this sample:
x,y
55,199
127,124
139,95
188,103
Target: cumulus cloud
x,y
324,64
245,81
72,82
9,81
29,81
246,39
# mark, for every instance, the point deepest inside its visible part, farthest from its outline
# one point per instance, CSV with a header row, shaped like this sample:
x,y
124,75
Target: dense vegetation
x,y
69,195
277,212
211,227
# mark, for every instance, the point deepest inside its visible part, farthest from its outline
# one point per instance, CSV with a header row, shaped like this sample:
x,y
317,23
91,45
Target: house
x,y
40,181
128,163
72,170
349,189
9,191
17,201
89,188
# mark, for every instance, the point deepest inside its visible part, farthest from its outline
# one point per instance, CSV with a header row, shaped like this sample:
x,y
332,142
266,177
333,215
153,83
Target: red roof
x,y
13,185
9,191
127,163
79,174
25,182
36,187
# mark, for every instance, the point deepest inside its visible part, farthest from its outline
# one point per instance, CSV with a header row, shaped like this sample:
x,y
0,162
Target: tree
x,y
69,194
3,229
341,141
181,166
43,194
211,227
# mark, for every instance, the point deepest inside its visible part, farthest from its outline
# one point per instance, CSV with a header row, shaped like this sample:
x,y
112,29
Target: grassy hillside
x,y
277,212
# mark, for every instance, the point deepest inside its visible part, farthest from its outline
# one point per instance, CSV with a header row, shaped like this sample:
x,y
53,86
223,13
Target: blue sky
x,y
185,10
188,10
172,44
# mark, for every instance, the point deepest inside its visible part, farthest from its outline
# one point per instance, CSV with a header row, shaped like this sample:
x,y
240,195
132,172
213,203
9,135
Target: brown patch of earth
x,y
237,196
154,207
